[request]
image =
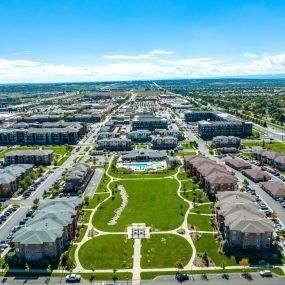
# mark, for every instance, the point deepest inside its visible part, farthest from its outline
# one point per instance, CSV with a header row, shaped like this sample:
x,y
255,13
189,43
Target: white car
x,y
265,273
73,278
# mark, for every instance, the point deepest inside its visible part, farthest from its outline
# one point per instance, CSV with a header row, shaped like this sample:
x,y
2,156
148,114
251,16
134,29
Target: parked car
x,y
265,273
180,277
73,278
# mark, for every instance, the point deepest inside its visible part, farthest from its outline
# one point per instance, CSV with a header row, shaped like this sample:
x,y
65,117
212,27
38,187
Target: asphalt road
x,y
216,279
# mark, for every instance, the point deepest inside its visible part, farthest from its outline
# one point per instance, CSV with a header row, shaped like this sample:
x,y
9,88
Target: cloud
x,y
13,71
149,55
249,54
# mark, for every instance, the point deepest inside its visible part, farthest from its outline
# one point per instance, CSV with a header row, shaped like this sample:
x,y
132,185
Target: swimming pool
x,y
142,166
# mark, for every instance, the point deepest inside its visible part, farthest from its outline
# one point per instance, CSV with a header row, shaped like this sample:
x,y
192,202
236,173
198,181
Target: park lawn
x,y
185,152
86,216
107,252
182,175
151,201
71,252
203,209
275,145
207,243
164,251
187,185
201,223
82,232
96,199
197,196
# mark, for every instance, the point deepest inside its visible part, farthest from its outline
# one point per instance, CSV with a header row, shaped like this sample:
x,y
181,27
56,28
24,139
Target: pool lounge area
x,y
144,166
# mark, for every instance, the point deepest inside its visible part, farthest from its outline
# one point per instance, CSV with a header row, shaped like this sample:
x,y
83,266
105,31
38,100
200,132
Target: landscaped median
x,y
151,201
107,252
165,251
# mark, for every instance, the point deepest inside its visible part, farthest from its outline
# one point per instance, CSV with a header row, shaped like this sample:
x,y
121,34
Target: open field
x,y
164,251
150,201
200,222
107,252
207,243
275,146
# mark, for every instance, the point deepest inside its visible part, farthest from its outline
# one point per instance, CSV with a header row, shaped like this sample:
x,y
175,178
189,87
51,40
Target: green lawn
x,y
107,252
81,234
150,201
183,153
207,243
96,199
187,185
195,196
182,175
203,209
58,150
71,252
86,216
164,250
201,223
275,146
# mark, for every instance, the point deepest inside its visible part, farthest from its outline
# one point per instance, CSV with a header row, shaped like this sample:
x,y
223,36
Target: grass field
x,y
203,209
208,244
201,223
150,201
58,150
182,175
195,196
96,199
164,250
107,252
86,216
81,234
275,146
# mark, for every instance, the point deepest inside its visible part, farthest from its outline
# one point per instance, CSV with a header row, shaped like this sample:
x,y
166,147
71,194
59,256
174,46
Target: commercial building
x,y
241,223
144,155
10,177
49,233
35,157
212,124
148,122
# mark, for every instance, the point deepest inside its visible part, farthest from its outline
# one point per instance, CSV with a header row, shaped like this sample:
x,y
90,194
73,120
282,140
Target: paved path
x,y
137,261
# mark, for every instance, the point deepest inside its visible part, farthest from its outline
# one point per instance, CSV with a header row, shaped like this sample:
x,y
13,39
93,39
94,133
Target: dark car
x,y
180,277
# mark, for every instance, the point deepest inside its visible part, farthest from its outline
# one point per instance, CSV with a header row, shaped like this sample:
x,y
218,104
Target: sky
x,y
105,40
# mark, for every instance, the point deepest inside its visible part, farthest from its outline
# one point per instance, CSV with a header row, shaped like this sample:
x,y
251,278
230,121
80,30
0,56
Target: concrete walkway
x,y
137,262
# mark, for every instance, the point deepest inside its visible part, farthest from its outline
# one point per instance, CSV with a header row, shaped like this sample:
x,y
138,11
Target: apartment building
x,y
144,155
10,177
44,134
212,124
77,177
35,157
48,233
241,222
140,136
213,177
167,143
273,158
114,144
148,122
225,141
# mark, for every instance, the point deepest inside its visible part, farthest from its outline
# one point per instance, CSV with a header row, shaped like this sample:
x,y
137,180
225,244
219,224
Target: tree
x,y
223,265
273,215
114,278
27,267
49,269
245,182
244,262
179,265
6,268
